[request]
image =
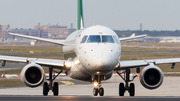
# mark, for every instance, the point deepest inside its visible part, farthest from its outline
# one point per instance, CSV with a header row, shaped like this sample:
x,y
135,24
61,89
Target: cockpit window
x,y
116,40
84,39
107,39
94,38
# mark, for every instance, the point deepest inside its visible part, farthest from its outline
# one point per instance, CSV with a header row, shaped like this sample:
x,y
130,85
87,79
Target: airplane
x,y
9,75
133,35
98,52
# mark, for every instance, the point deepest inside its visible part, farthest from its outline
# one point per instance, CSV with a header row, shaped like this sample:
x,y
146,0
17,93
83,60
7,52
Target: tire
x,y
101,91
95,91
121,89
45,89
132,89
56,89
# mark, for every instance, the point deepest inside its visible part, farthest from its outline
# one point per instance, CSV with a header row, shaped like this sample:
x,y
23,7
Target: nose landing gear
x,y
97,86
99,90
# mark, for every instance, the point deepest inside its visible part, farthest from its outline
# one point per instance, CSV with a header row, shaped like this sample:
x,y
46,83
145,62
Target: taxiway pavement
x,y
71,87
85,98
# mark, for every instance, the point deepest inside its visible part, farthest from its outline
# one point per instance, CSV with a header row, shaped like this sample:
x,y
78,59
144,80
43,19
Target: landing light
x,y
77,61
117,66
95,84
68,64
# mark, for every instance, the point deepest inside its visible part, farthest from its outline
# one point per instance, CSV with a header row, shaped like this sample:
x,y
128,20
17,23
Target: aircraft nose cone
x,y
101,58
102,62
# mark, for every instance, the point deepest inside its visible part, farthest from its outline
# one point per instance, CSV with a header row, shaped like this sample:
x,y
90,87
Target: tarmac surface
x,y
80,91
85,98
70,89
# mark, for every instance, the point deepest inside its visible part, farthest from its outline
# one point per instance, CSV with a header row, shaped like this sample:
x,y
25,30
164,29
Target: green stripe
x,y
80,15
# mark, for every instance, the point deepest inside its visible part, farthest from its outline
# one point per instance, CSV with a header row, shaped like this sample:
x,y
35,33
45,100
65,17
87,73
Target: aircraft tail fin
x,y
80,19
132,35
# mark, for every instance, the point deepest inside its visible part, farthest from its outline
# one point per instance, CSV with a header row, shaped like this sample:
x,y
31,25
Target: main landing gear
x,y
97,86
49,86
130,88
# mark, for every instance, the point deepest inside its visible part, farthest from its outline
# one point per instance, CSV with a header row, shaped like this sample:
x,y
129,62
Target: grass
x,y
26,50
11,72
10,82
154,44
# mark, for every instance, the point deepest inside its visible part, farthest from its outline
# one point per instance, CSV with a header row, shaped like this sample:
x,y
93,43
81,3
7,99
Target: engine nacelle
x,y
32,75
151,77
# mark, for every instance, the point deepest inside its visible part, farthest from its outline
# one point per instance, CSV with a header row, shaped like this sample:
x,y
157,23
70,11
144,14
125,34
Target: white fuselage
x,y
95,56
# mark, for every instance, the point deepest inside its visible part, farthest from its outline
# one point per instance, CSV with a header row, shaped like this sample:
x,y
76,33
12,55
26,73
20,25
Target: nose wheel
x,y
97,86
95,91
100,91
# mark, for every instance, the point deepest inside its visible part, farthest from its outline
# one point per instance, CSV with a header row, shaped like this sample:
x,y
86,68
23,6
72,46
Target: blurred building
x,y
30,32
4,31
56,31
49,31
4,27
3,35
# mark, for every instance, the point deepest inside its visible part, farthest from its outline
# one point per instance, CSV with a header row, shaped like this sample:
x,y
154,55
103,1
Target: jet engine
x,y
151,77
32,75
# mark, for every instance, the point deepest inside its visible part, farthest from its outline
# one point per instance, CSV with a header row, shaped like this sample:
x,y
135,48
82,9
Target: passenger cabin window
x,y
94,39
107,39
84,39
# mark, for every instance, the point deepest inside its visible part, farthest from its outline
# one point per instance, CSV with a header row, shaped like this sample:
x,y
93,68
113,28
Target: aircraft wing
x,y
132,37
141,63
59,64
37,38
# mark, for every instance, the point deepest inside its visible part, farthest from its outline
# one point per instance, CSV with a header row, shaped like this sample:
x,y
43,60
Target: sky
x,y
115,14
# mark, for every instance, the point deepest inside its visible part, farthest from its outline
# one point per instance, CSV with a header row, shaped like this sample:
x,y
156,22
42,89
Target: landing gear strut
x,y
130,88
98,89
47,87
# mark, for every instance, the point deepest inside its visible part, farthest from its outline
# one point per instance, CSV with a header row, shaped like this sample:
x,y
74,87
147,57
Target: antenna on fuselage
x,y
80,19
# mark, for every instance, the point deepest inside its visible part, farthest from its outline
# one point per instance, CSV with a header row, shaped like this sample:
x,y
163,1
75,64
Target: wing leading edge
x,y
141,63
40,39
59,64
132,37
